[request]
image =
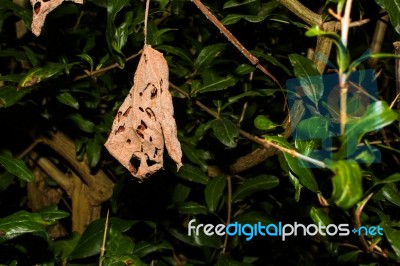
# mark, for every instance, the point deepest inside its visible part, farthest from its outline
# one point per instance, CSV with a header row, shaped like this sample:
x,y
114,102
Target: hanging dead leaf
x,y
40,10
145,120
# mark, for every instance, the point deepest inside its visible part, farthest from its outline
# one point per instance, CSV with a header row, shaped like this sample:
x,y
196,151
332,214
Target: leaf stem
x,y
146,17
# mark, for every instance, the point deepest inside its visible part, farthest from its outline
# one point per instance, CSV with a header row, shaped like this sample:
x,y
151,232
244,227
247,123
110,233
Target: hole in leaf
x,y
153,93
150,113
36,7
135,162
150,162
120,129
127,111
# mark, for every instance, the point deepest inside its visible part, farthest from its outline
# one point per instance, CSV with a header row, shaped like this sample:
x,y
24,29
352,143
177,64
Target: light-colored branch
x,y
100,187
64,181
302,12
345,22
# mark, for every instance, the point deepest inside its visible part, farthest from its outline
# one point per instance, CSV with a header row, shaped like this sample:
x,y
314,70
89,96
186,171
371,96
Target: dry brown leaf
x,y
40,10
145,120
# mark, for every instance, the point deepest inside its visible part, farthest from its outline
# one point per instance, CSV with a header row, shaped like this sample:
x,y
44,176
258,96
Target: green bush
x,y
59,93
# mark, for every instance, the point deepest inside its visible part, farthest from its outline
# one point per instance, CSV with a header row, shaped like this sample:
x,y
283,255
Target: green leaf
x,y
177,51
144,248
381,183
214,191
24,222
181,193
192,208
305,175
262,122
192,173
196,156
122,32
377,116
33,58
257,93
263,13
225,131
319,215
393,8
207,55
297,186
67,99
115,40
85,125
392,234
155,39
315,127
272,60
244,69
310,78
90,242
118,244
52,213
93,150
24,13
253,185
347,183
64,247
235,3
221,83
16,166
391,194
87,58
38,74
10,95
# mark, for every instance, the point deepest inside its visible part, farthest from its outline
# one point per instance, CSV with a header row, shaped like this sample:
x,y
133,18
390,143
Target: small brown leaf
x,y
145,120
40,10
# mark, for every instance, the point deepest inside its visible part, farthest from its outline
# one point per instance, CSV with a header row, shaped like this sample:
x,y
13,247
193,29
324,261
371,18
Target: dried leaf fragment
x,y
145,121
40,10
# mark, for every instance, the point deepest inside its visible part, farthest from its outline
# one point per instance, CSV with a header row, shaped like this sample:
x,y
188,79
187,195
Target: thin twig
x,y
357,220
254,60
229,210
146,17
103,245
105,69
264,143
